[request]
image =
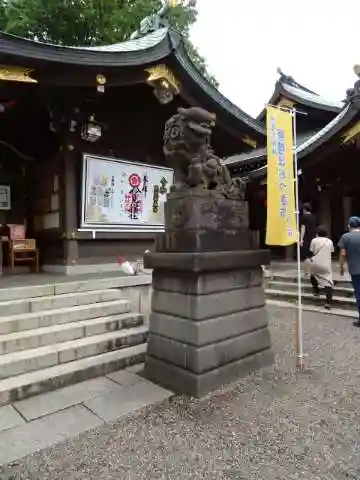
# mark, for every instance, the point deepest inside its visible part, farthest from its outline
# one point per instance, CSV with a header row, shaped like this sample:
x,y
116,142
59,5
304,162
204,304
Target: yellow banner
x,y
281,217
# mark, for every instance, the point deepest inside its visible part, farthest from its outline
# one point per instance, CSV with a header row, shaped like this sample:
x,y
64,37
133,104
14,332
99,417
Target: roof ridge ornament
x,y
287,78
292,82
155,21
353,94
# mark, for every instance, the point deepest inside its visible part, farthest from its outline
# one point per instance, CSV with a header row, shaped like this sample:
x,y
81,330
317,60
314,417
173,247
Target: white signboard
x,y
119,194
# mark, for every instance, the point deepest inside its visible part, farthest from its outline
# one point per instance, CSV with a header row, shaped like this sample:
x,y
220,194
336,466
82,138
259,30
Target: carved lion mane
x,y
187,149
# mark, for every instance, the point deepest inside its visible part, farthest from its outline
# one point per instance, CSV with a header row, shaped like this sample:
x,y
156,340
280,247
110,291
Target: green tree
x,y
93,22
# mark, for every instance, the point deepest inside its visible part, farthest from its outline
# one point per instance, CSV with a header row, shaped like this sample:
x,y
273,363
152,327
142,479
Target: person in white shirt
x,y
321,249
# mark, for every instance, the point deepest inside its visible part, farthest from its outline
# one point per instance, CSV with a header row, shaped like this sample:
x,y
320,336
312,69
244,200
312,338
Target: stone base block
x,y
208,331
206,211
181,380
209,357
204,240
208,261
192,283
201,307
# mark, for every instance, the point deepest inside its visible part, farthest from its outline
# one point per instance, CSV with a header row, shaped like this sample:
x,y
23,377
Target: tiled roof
x,y
311,97
142,43
259,153
316,139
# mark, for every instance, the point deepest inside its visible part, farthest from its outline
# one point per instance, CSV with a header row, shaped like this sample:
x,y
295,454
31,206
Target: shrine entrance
x,y
25,141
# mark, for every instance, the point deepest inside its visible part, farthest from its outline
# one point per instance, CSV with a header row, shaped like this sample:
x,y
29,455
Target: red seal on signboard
x,y
134,180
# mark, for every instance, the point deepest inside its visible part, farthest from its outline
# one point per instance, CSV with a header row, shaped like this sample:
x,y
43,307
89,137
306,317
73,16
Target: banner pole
x,y
299,316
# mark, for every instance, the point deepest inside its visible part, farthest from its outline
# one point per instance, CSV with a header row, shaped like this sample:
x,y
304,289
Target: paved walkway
x,y
41,421
275,424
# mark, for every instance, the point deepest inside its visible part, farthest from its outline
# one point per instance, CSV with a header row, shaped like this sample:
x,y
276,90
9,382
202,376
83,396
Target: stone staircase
x,y
283,288
56,335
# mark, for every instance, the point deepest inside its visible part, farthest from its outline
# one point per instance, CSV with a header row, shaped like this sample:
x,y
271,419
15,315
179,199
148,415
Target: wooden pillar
x,y
69,207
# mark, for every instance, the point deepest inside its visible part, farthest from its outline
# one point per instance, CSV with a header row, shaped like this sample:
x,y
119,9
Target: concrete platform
x,y
37,423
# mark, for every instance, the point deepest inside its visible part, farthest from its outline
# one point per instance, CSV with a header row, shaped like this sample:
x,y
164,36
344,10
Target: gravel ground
x,y
275,424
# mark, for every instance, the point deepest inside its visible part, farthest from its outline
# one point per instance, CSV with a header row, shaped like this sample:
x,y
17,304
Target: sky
x,y
317,42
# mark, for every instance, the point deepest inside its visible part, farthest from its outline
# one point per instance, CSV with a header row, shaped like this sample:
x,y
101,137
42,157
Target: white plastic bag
x,y
126,267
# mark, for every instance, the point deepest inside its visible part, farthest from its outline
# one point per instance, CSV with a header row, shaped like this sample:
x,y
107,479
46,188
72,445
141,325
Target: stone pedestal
x,y
208,324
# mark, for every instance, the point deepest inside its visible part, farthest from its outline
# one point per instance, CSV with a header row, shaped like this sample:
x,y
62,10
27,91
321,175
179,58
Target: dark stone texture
x,y
197,211
208,331
208,324
206,358
188,150
202,307
182,380
204,240
193,283
207,262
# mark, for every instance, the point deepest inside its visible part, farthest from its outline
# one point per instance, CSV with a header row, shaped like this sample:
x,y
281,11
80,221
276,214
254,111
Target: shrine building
x,y
82,171
327,148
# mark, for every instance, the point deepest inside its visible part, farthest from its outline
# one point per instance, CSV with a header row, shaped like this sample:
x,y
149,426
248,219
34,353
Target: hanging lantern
x,y
91,130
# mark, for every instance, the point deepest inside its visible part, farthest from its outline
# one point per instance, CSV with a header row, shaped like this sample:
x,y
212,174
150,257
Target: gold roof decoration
x,y
161,73
249,141
16,74
285,102
351,133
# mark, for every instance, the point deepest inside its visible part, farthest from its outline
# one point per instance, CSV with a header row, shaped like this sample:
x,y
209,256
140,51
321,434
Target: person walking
x,y
321,249
307,230
349,245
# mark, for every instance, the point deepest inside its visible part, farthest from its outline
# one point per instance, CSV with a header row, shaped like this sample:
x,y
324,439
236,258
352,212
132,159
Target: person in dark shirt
x,y
349,245
308,227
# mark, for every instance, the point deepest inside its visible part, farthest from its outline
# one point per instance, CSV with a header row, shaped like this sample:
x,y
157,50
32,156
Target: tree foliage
x,y
92,22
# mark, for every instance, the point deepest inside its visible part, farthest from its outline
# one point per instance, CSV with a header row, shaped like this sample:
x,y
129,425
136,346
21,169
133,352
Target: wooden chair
x,y
23,250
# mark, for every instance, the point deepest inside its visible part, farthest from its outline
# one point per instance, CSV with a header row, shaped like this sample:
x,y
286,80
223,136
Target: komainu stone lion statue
x,y
187,149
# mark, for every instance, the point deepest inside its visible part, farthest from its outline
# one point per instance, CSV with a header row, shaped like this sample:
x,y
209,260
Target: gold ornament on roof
x,y
351,133
16,74
285,102
164,83
161,73
249,141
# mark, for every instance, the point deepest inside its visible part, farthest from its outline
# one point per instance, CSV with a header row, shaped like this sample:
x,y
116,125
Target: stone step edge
x,y
20,301
293,279
79,285
307,296
64,327
59,311
313,308
40,381
306,285
24,355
